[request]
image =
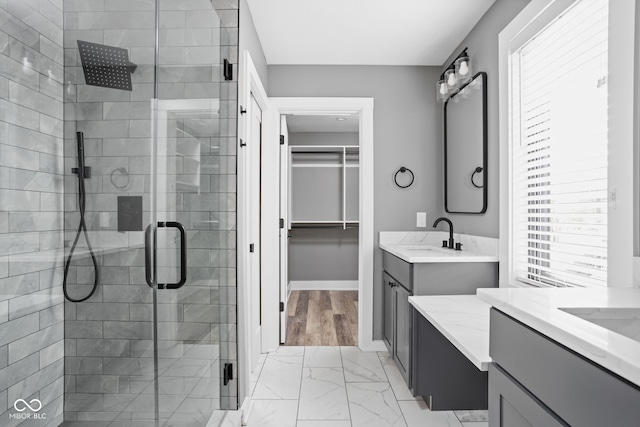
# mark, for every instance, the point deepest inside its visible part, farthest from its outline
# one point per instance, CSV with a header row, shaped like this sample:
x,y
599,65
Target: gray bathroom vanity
x,y
564,357
414,267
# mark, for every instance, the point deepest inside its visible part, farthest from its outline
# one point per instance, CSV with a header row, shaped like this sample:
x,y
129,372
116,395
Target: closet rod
x,y
319,152
341,227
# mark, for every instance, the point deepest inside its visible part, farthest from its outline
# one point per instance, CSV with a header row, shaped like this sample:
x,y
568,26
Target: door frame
x,y
322,106
249,84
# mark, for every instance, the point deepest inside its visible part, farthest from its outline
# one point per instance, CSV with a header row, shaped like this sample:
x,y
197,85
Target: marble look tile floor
x,y
341,387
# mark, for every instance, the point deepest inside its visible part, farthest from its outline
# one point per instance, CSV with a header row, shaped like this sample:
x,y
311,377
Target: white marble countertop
x,y
463,320
545,311
425,246
425,253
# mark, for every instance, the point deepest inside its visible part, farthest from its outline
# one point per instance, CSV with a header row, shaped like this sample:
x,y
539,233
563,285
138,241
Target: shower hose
x,y
82,228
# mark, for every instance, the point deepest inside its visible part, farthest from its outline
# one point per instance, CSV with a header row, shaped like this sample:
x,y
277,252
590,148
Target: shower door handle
x,y
147,256
183,255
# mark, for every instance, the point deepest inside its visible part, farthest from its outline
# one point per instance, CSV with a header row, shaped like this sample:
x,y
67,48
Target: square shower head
x,y
106,66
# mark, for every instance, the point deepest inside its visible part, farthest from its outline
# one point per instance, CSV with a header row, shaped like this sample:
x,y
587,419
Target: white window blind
x,y
559,137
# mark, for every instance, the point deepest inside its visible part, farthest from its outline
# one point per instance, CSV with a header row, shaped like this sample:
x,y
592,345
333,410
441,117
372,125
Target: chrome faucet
x,y
448,221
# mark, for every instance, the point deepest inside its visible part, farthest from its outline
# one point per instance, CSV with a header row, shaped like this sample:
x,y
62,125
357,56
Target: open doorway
x,y
320,190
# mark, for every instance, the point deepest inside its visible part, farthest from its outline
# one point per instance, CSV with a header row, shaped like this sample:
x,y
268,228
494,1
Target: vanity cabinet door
x,y
388,314
403,331
510,405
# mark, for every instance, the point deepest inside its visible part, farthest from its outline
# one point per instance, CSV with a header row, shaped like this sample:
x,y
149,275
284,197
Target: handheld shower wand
x,y
83,173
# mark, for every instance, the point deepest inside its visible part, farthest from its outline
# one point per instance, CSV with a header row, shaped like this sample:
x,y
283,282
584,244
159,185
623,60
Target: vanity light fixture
x,y
456,74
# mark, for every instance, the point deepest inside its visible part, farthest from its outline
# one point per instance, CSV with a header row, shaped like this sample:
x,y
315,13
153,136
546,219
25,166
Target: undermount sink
x,y
420,248
623,321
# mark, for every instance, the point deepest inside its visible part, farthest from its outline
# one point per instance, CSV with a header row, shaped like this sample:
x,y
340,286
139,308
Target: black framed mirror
x,y
465,148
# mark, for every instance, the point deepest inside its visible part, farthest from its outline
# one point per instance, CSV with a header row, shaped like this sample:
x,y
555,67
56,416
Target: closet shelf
x,y
324,176
325,224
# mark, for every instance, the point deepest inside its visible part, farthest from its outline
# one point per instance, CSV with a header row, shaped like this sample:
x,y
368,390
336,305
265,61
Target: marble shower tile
x,y
323,395
373,405
280,378
360,366
417,414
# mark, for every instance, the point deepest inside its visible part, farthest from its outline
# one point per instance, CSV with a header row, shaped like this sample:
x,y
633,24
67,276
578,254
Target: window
x,y
559,150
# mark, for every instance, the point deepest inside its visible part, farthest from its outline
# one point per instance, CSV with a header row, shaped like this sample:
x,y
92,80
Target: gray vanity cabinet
x,y
536,381
511,405
404,324
397,323
402,279
387,315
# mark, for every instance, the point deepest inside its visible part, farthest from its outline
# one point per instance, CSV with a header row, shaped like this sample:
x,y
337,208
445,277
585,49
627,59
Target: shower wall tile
x,y
46,337
19,115
51,126
15,71
15,27
129,38
104,20
129,4
12,156
31,114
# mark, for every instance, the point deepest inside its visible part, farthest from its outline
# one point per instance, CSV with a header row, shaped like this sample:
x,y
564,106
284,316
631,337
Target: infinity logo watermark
x,y
26,405
34,405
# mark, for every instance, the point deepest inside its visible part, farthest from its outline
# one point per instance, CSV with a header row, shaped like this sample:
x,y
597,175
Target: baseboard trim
x,y
245,411
324,285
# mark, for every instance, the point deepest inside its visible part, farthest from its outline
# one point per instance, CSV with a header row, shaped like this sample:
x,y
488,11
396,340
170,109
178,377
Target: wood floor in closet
x,y
322,318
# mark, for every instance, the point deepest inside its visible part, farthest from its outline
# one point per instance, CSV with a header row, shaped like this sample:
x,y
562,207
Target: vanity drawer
x,y
579,391
400,270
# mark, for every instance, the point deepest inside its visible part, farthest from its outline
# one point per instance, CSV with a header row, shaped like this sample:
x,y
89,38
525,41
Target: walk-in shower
x,y
117,118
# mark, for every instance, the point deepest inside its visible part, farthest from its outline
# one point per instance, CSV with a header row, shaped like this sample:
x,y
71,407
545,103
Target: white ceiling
x,y
363,32
323,123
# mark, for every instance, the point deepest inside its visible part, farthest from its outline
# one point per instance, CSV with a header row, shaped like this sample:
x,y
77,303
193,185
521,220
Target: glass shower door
x,y
195,188
156,344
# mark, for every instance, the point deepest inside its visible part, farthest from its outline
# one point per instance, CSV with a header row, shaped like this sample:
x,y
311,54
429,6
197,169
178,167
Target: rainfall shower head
x,y
106,66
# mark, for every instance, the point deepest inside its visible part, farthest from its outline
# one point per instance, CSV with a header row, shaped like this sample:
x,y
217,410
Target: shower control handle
x,y
183,255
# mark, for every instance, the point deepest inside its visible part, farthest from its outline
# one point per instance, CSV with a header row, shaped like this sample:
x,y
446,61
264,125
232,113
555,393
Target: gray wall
x,y
324,138
482,42
31,219
406,132
249,41
318,254
322,254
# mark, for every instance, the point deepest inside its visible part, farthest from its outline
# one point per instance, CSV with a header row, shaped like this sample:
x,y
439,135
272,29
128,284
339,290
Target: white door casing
x,y
253,148
249,87
310,106
284,225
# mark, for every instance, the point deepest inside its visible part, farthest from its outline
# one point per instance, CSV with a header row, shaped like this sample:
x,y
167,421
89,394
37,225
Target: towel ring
x,y
403,170
478,170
